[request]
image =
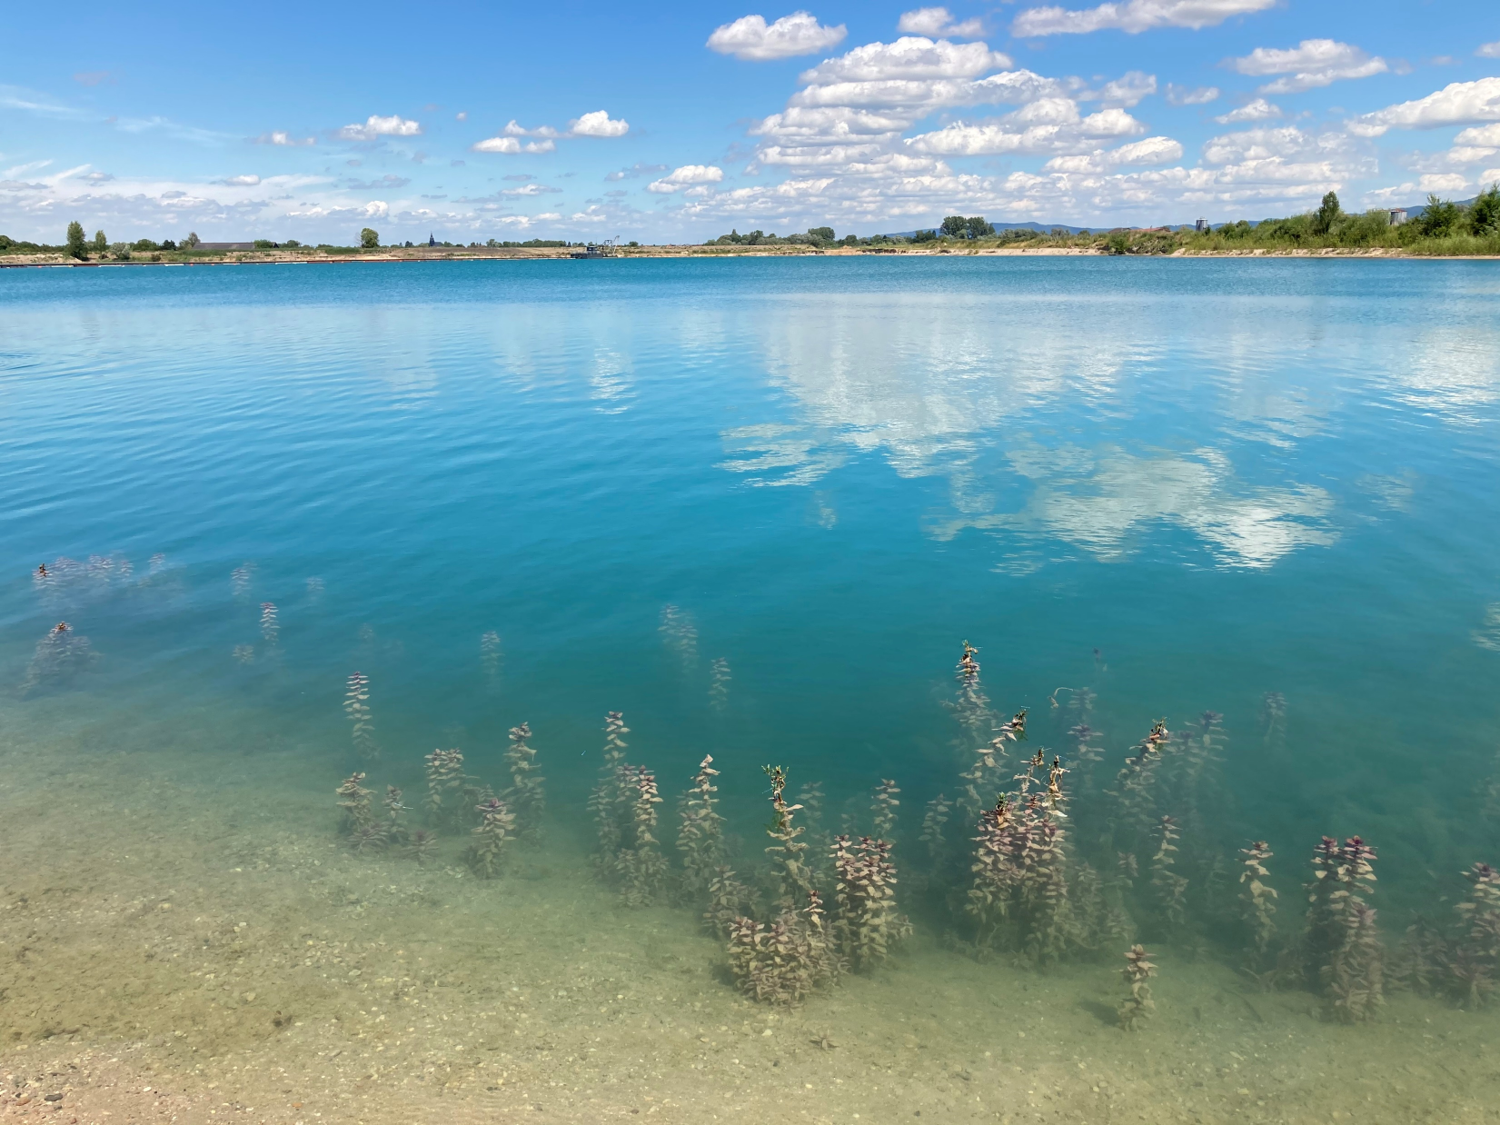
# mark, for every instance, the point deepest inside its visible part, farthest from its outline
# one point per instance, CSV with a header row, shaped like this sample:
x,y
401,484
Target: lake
x,y
759,507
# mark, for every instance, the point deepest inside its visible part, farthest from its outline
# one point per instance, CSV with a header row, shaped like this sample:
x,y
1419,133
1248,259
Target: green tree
x,y
1440,218
1484,214
101,244
821,234
369,239
191,241
1327,214
954,226
1118,242
77,248
976,227
923,235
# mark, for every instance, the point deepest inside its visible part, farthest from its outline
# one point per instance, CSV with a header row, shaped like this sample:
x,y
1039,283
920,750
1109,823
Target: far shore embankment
x,y
481,254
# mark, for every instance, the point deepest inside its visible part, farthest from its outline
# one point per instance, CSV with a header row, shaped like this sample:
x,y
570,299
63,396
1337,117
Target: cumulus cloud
x,y
597,124
1443,182
376,127
1128,89
750,37
1489,50
1151,151
937,23
686,176
1312,63
510,146
1190,95
282,139
1044,126
1458,103
514,130
909,58
239,181
1132,16
1257,110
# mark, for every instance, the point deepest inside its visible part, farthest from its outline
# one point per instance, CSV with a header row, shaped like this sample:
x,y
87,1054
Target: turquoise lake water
x,y
1183,485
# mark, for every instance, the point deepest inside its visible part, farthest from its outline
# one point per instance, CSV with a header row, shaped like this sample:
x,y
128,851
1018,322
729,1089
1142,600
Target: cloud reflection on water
x,y
981,393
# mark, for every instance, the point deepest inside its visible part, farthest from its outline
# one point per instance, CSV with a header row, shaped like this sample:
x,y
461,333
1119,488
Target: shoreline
x,y
481,254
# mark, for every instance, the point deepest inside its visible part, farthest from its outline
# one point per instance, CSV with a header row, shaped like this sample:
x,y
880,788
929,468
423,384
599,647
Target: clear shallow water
x,y
1229,478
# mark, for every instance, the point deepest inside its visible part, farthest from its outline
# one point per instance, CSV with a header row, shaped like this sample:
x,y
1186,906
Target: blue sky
x,y
679,121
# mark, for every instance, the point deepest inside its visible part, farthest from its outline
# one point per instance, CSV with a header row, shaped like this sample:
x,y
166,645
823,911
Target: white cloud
x,y
1458,103
514,130
1128,89
1442,182
597,124
240,181
750,37
1152,150
1487,136
376,127
1489,50
938,22
908,58
1312,63
1184,95
1257,110
1047,125
283,139
510,146
1132,16
686,176
460,116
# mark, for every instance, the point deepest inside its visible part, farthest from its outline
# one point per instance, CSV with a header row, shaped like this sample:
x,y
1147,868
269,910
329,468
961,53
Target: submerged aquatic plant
x,y
59,656
446,782
395,830
490,838
642,867
865,924
787,851
526,796
270,626
423,846
1168,887
610,800
933,820
680,635
1138,1006
700,836
782,962
354,801
357,707
1343,955
1475,956
718,688
884,807
1273,720
983,776
240,579
728,899
489,656
971,707
1257,901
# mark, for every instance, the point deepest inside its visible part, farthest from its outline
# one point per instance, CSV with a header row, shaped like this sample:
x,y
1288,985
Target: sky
x,y
674,121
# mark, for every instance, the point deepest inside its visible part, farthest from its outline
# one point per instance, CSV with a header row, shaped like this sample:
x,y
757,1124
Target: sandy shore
x,y
184,938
